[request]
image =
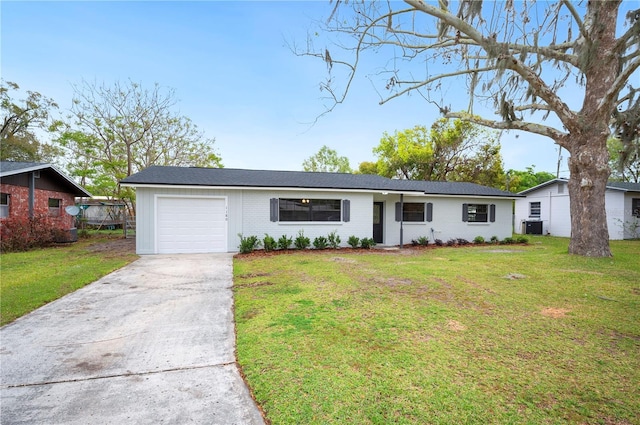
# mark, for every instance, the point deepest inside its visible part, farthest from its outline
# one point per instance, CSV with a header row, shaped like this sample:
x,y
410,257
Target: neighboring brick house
x,y
29,189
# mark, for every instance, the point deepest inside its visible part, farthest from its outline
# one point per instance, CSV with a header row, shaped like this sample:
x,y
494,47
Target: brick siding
x,y
19,204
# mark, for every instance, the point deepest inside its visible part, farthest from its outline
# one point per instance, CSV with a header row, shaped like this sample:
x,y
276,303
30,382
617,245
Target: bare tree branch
x,y
530,127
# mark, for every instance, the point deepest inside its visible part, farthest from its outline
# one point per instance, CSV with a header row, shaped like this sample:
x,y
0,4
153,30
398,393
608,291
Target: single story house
x,y
191,210
29,189
544,209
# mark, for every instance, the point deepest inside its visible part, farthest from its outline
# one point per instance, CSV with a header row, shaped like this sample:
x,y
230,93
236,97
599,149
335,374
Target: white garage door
x,y
191,225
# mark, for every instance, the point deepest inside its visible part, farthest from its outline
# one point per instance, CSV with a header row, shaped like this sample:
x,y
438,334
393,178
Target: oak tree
x,y
21,119
451,150
575,63
115,131
327,160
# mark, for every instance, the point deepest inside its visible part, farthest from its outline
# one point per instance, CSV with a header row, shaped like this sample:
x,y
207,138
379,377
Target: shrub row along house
x,y
31,190
197,210
545,209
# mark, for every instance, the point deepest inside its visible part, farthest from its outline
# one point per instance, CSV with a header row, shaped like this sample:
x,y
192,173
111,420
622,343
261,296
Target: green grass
x,y
443,336
31,279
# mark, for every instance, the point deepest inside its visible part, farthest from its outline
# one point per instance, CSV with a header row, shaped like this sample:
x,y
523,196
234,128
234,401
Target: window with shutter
x,y
411,211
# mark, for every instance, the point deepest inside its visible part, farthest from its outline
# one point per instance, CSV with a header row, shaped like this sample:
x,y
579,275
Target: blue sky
x,y
232,70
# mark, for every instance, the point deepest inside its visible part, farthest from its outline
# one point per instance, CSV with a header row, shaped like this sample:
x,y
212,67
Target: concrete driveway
x,y
152,343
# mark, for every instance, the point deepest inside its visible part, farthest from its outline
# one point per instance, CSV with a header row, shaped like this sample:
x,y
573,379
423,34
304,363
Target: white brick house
x,y
184,210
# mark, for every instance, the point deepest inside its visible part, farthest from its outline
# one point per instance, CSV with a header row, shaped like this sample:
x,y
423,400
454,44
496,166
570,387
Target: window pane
x,y
54,207
4,199
635,207
294,210
413,211
325,210
534,209
310,209
478,213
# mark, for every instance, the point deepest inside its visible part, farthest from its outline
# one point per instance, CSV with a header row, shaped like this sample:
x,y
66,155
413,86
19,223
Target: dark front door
x,y
378,229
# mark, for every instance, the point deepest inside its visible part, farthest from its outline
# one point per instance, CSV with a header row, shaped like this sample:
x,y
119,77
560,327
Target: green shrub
x,y
507,241
284,242
367,243
24,233
522,239
494,239
353,241
334,240
478,240
248,244
422,241
269,243
301,241
320,242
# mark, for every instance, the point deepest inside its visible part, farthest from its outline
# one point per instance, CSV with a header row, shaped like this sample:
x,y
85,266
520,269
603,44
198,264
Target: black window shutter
x,y
274,209
398,212
346,210
465,212
429,211
492,213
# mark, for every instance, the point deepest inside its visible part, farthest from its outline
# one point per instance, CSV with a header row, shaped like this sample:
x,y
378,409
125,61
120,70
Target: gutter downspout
x,y
32,185
549,222
401,217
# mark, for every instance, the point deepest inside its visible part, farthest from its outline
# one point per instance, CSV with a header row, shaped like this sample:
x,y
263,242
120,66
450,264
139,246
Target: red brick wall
x,y
19,204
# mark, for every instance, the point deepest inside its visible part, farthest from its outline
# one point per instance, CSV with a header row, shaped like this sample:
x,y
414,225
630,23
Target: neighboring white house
x,y
185,210
545,209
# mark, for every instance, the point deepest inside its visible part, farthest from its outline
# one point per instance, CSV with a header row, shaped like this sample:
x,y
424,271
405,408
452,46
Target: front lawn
x,y
473,335
31,279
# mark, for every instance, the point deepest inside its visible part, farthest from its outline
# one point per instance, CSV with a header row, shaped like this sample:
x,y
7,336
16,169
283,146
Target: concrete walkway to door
x,y
152,343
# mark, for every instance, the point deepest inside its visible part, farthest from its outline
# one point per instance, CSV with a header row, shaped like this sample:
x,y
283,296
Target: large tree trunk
x,y
589,174
587,140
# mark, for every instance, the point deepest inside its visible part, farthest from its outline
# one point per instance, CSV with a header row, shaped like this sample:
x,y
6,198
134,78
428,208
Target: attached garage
x,y
190,224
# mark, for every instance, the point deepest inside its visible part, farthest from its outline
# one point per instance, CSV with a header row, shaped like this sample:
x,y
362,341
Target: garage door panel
x,y
191,225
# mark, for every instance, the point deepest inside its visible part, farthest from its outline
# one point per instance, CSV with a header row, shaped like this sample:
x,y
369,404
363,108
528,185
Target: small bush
x,y
507,241
353,241
320,242
421,241
248,244
438,242
463,241
522,239
478,240
494,239
334,240
452,242
24,233
367,243
269,243
284,242
301,241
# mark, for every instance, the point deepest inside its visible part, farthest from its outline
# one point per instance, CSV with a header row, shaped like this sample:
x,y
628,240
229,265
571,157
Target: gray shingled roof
x,y
624,186
230,177
11,168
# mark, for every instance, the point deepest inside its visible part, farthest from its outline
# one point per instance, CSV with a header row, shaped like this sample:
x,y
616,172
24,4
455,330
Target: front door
x,y
378,229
